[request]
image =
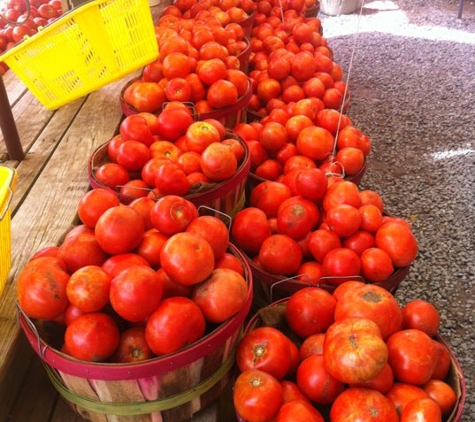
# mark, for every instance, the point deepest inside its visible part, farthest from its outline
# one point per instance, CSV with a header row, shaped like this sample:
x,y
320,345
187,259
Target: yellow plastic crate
x,y
7,185
84,50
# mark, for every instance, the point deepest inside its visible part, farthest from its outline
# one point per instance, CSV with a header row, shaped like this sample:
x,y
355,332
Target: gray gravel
x,y
411,72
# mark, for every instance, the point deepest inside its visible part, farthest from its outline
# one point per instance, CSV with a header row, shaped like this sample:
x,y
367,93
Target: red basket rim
x,y
155,366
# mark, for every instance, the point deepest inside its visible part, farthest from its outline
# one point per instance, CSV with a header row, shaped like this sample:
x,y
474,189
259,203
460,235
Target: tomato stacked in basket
x,y
135,281
355,354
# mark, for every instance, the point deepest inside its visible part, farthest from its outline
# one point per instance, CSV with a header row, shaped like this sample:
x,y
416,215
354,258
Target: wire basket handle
x,y
27,14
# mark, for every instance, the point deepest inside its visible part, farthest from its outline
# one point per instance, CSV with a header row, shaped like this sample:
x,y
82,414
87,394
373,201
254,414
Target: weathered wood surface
x,y
52,179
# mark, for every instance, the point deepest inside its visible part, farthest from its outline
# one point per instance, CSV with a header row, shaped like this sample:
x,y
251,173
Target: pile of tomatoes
x,y
169,154
351,355
134,282
17,21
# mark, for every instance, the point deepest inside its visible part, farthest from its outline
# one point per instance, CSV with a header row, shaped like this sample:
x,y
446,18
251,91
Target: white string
x,y
350,66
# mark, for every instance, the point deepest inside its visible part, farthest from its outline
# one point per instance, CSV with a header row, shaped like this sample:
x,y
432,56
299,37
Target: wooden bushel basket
x,y
170,388
274,315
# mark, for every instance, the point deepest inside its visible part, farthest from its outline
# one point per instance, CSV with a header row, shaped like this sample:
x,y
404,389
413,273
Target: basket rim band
x,y
132,409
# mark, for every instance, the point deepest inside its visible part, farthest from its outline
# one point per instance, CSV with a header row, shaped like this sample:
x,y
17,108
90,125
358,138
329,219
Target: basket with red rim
x,y
171,388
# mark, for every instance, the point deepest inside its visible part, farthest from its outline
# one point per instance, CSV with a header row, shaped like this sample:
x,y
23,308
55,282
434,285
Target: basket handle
x,y
14,23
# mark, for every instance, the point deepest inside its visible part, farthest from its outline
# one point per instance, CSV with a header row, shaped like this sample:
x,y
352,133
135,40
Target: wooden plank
x,y
49,209
37,398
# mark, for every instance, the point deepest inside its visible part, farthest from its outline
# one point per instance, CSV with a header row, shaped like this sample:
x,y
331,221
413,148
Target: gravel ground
x,y
410,67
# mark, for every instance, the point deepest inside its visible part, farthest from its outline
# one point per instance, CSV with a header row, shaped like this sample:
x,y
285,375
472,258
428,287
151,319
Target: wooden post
x,y
8,126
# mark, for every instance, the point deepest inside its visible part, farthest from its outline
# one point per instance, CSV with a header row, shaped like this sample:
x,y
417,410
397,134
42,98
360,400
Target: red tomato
x,y
249,229
172,289
421,410
296,217
401,394
298,410
170,179
213,230
312,345
199,135
316,382
280,254
119,230
315,142
150,247
340,263
398,241
133,347
344,192
218,162
363,404
222,295
231,261
443,361
381,382
354,350
41,288
176,323
376,265
172,214
173,122
117,263
322,241
304,317
421,315
264,348
350,136
134,127
257,396
136,292
94,203
359,242
268,196
372,302
132,155
81,248
92,337
291,391
88,288
443,394
112,175
311,184
343,219
145,96
187,258
412,355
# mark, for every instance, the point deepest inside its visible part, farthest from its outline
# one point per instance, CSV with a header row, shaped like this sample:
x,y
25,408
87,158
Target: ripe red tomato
x,y
359,242
315,142
316,382
92,337
257,395
136,292
280,254
322,241
41,288
381,382
363,404
268,196
172,214
443,362
354,350
115,264
376,265
306,319
249,229
222,295
170,179
88,288
173,122
422,410
213,230
264,348
133,347
412,356
80,248
94,203
398,241
218,162
175,323
340,263
443,394
199,135
132,128
112,175
187,258
372,302
343,219
401,394
344,192
145,96
312,345
296,217
298,410
311,184
421,315
119,230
